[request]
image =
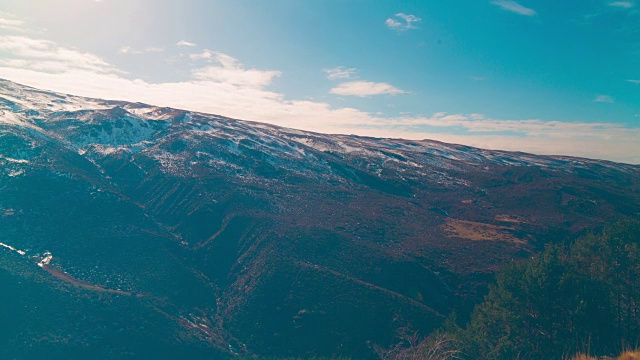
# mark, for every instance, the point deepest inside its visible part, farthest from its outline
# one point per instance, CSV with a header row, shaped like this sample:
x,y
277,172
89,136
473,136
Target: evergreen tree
x,y
565,300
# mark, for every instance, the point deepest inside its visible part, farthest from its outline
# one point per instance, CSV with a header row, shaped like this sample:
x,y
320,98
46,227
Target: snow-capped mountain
x,y
223,236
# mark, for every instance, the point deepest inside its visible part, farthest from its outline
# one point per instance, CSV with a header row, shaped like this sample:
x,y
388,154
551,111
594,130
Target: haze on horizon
x,y
536,76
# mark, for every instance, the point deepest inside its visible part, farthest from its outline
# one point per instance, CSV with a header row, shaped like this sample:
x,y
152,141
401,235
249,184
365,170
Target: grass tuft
x,y
630,355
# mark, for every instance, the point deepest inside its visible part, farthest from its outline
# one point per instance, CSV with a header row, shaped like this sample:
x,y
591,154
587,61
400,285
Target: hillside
x,y
218,236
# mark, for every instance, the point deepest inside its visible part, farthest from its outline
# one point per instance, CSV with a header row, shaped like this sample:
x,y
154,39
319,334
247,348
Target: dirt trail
x,y
83,284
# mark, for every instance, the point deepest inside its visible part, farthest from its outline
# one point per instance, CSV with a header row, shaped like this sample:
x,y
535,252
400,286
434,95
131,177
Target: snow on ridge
x,y
25,101
47,101
15,161
132,135
10,118
103,150
21,252
44,260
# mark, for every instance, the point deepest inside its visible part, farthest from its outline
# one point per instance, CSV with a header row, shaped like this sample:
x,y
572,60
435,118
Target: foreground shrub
x,y
569,298
438,346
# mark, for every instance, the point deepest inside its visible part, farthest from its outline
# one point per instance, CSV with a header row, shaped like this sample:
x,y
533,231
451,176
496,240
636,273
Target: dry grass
x,y
583,357
476,231
435,347
630,355
508,219
627,355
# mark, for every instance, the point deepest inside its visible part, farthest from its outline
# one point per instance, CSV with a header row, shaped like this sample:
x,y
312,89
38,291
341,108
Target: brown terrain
x,y
240,237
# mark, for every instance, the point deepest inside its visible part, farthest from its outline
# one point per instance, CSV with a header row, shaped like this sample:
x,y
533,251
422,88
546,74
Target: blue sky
x,y
551,77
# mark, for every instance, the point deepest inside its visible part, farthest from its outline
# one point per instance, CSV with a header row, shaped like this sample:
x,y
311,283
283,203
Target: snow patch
x,y
23,253
47,257
15,161
14,173
49,101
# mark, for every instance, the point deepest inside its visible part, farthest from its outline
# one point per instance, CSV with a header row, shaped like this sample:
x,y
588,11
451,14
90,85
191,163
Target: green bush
x,y
565,300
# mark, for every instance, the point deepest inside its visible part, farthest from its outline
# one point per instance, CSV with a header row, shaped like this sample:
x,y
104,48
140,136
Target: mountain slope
x,y
229,236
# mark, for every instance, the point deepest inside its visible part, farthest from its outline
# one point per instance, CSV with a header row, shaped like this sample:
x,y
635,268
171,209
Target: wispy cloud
x,y
340,72
604,99
153,50
10,22
204,55
478,123
402,22
514,7
634,81
622,4
183,43
538,136
365,89
130,50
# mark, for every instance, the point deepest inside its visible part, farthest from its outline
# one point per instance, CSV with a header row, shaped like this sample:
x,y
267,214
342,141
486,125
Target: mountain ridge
x,y
101,104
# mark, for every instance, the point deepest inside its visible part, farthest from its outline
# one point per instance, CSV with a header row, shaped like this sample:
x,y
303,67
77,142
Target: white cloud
x,y
182,43
130,50
604,99
230,71
364,89
402,22
622,4
340,72
47,56
228,88
393,24
514,7
634,81
10,22
205,55
152,50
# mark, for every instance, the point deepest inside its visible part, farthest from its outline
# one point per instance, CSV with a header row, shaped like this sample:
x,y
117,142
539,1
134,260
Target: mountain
x,y
129,230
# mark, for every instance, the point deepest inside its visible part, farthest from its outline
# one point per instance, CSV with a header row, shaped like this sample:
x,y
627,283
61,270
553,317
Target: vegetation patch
x,y
477,231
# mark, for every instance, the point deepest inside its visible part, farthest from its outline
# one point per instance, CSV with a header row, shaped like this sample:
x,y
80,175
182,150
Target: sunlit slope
x,y
241,237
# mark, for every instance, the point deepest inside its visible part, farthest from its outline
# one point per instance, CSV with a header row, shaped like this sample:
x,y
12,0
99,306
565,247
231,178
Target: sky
x,y
543,76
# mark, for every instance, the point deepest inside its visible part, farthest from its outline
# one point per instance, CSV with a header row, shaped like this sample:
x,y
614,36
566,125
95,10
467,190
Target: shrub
x,y
586,295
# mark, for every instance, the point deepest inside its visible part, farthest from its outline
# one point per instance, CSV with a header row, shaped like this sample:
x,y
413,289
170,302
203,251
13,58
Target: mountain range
x,y
135,231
